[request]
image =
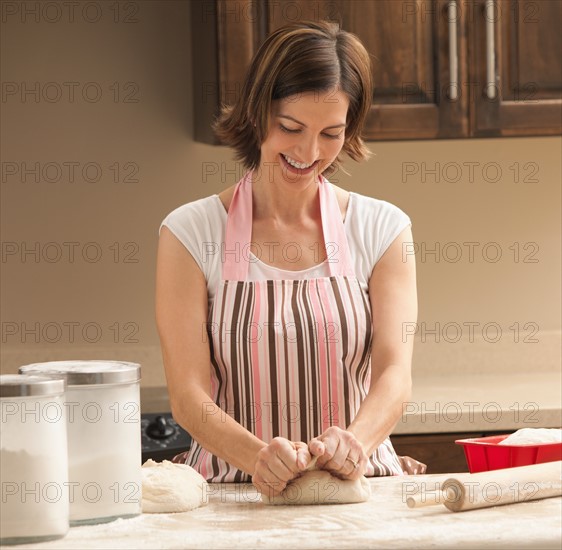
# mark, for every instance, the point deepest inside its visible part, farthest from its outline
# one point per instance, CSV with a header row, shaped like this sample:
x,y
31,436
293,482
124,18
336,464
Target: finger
x,y
269,489
266,481
362,462
352,464
339,458
303,457
272,468
282,458
284,464
331,448
271,474
316,447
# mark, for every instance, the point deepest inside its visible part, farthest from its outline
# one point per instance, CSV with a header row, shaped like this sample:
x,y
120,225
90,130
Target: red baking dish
x,y
484,453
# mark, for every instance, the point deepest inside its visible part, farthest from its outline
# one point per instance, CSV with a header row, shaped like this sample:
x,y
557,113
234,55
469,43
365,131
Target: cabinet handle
x,y
490,51
453,54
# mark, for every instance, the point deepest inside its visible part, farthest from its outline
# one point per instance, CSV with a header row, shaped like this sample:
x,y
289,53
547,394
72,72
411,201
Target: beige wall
x,y
113,300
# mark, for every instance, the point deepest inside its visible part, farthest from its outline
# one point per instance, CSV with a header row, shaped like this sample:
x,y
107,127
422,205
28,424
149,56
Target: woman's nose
x,y
308,150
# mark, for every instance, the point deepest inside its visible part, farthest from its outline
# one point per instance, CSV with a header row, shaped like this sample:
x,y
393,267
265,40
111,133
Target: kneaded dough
x,y
168,487
533,436
321,487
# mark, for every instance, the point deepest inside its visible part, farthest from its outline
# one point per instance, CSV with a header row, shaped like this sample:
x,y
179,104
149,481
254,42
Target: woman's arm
x,y
393,297
181,316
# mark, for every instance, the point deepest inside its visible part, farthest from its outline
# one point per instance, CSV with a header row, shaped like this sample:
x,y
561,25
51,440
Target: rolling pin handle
x,y
429,498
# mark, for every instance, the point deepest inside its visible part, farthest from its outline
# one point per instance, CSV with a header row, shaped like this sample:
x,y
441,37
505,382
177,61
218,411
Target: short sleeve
x,y
390,222
194,226
372,227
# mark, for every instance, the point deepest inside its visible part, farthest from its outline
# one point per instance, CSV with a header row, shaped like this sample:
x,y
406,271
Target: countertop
x,y
235,517
483,402
460,403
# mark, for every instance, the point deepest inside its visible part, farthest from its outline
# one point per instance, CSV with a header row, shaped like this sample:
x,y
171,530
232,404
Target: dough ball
x,y
169,487
321,487
533,436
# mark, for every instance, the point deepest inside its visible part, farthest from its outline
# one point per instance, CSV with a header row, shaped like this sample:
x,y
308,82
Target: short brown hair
x,y
301,57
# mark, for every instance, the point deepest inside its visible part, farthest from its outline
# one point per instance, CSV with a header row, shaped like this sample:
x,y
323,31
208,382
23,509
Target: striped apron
x,y
290,358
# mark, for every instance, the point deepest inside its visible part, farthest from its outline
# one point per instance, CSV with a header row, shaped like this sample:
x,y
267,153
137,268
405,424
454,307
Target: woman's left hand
x,y
340,453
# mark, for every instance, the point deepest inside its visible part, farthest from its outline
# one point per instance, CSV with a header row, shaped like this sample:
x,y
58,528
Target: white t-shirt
x,y
371,225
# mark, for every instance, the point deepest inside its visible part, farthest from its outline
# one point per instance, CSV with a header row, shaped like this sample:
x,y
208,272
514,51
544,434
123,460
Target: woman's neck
x,y
284,202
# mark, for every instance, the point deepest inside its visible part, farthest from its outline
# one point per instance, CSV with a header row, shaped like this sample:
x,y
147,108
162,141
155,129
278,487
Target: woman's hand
x,y
278,463
411,466
339,452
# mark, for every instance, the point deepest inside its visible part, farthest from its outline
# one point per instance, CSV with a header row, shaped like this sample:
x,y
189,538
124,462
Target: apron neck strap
x,y
337,250
235,255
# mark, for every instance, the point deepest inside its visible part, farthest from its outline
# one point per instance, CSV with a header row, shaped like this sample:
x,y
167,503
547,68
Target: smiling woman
x,y
295,59
302,148
281,301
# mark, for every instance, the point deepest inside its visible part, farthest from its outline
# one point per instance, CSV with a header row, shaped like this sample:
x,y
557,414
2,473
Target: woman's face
x,y
305,135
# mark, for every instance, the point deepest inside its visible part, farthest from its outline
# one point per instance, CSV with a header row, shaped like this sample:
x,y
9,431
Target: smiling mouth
x,y
296,166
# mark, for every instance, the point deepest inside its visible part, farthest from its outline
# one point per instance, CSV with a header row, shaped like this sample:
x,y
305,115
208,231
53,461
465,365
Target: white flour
x,y
104,486
34,499
533,436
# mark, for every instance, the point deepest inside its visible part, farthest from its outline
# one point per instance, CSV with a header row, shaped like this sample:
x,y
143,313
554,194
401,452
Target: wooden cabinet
x,y
442,68
438,451
526,40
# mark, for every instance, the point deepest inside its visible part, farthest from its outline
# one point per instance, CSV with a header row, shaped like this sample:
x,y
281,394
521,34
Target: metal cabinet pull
x,y
490,51
453,54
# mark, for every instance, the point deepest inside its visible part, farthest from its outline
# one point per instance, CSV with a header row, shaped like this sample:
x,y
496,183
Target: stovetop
x,y
162,438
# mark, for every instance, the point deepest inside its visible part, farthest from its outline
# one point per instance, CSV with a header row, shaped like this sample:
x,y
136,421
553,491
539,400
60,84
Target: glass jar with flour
x,y
104,441
33,459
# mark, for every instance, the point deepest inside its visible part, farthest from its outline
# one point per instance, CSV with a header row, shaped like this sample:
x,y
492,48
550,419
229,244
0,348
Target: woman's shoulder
x,y
225,197
363,208
372,226
198,225
207,209
366,207
343,197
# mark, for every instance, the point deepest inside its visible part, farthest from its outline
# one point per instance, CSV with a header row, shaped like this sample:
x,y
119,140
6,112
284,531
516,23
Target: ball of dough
x,y
169,487
321,487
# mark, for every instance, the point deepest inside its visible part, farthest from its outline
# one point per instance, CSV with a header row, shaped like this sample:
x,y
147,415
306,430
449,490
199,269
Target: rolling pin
x,y
493,488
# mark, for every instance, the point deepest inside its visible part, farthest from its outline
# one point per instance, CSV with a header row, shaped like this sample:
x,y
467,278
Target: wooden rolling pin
x,y
485,489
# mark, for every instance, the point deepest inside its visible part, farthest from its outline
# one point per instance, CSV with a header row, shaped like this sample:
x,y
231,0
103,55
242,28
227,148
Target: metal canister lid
x,y
90,373
24,385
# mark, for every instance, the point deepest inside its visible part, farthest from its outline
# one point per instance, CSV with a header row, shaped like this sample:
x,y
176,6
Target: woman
x,y
281,301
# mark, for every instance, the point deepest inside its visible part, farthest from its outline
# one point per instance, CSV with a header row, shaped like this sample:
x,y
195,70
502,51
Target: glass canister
x,y
33,459
104,439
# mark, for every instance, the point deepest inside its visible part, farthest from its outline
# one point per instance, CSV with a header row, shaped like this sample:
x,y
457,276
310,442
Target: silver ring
x,y
355,464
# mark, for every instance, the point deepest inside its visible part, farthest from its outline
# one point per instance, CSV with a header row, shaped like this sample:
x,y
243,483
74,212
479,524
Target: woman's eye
x,y
289,130
298,130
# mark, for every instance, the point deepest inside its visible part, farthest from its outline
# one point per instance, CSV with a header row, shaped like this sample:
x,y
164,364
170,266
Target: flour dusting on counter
x,y
231,521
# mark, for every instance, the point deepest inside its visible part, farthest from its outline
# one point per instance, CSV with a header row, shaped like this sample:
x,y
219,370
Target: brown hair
x,y
301,57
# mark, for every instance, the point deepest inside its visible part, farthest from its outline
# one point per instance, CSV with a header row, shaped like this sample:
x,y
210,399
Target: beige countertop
x,y
235,517
483,402
460,403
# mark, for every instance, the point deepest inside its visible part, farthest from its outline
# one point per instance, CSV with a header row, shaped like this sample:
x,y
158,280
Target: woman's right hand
x,y
278,463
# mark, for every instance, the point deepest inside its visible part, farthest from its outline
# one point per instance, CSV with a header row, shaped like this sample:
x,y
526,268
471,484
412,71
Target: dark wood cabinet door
x,y
516,67
437,451
225,34
418,51
409,45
